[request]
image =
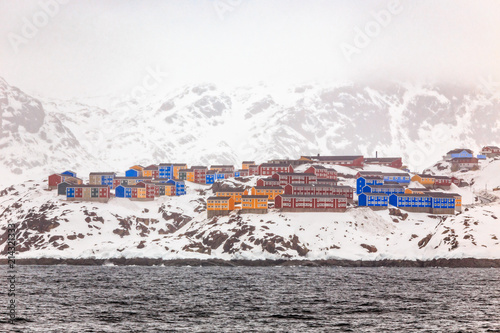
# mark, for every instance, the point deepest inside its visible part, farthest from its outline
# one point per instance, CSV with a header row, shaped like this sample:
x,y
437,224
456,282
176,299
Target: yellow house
x,y
414,191
190,176
271,191
141,193
233,193
426,180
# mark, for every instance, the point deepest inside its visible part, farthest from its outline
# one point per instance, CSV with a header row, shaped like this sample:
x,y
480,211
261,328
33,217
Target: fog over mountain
x,y
205,124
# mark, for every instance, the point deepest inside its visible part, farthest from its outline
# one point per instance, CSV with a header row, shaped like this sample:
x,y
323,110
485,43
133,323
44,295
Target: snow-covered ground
x,y
177,228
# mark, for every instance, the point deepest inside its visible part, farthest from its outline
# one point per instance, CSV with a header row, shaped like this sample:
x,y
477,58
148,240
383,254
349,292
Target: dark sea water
x,y
254,299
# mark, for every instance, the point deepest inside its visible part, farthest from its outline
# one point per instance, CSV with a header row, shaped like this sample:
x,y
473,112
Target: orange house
x,y
219,206
426,180
270,191
415,190
177,167
254,202
233,193
246,164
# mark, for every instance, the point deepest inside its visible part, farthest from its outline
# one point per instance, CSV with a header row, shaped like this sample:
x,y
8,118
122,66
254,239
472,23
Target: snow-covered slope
x,y
206,124
177,228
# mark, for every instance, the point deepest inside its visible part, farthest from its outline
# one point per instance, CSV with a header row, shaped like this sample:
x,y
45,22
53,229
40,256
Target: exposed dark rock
x,y
424,241
370,248
215,239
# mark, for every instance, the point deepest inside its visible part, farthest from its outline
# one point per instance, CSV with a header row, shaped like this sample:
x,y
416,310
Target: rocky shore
x,y
451,263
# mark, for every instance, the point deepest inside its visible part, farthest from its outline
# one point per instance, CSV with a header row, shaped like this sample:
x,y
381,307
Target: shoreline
x,y
450,263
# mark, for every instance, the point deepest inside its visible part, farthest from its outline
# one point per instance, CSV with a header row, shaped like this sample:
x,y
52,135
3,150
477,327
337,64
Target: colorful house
x,y
442,203
235,193
293,177
319,189
464,163
387,189
268,182
179,185
87,193
310,203
210,177
242,173
411,202
102,178
129,180
219,206
222,168
69,173
253,170
374,200
269,169
270,191
361,182
426,180
442,182
254,204
326,181
400,178
133,173
151,171
199,174
246,164
322,172
459,153
61,187
393,162
369,174
350,161
58,178
490,151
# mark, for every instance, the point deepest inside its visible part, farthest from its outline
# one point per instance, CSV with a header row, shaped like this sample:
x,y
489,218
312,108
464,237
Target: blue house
x,y
180,187
373,199
219,176
69,173
460,153
132,173
400,178
237,173
210,177
361,182
410,200
123,191
387,189
166,170
442,200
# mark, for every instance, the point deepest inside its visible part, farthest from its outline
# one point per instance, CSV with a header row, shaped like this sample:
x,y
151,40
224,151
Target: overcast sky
x,y
88,48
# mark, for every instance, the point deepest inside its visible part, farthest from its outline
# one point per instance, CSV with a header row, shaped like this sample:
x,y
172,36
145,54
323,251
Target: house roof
x,y
398,174
222,166
199,167
254,197
295,174
333,158
136,178
312,196
410,195
441,195
459,150
102,173
374,194
248,162
88,185
230,190
268,187
151,167
326,180
218,198
132,186
370,172
275,165
381,159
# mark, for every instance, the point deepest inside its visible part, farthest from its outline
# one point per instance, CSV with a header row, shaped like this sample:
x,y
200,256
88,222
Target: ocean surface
x,y
254,299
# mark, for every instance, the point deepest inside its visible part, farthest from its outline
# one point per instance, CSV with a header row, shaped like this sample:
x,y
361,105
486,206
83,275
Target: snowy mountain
x,y
206,124
178,228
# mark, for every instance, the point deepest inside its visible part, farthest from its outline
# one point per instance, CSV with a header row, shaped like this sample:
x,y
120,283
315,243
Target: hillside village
x,y
306,184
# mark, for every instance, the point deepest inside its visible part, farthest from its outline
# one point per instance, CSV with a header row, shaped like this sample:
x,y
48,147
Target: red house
x,y
200,173
377,174
490,151
253,170
322,172
289,178
268,182
269,169
459,163
58,178
442,181
304,203
350,161
393,162
326,181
